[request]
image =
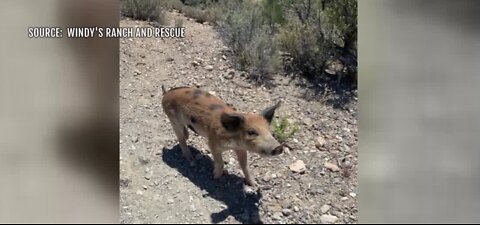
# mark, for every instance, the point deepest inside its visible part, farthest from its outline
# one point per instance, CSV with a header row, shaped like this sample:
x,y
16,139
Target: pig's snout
x,y
277,151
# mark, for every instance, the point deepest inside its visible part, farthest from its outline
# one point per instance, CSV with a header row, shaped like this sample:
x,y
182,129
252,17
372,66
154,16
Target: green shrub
x,y
172,4
245,30
148,10
283,130
198,14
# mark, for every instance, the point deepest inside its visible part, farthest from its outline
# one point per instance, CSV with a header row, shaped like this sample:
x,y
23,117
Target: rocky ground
x,y
314,182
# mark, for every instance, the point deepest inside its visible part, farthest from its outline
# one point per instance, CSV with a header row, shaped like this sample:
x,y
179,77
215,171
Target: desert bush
x,y
283,130
148,10
246,31
200,15
172,4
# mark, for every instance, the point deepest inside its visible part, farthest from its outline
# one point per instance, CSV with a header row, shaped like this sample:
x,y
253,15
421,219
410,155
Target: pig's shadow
x,y
229,189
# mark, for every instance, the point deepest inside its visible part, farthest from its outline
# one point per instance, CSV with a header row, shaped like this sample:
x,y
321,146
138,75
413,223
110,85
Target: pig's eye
x,y
252,132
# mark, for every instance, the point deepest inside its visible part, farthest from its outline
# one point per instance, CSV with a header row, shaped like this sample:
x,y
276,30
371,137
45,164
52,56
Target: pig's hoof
x,y
218,173
250,182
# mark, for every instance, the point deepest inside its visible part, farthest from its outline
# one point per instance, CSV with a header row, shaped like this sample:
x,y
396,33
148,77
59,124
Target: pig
x,y
221,125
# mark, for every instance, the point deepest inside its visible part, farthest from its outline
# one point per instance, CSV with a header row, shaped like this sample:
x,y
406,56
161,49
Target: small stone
x,y
274,176
320,142
136,72
325,208
353,194
267,177
169,59
297,167
340,139
139,192
195,63
296,209
144,187
147,177
224,57
307,121
328,219
331,166
156,183
274,208
209,68
286,150
135,139
287,212
249,190
289,185
170,201
183,72
344,198
192,208
277,216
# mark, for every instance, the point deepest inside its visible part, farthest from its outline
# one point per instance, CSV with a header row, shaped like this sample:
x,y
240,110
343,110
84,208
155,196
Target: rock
x,y
286,150
135,139
136,72
206,23
169,59
147,177
320,142
340,139
230,74
170,201
287,212
296,209
327,219
249,190
297,167
277,216
267,177
209,68
195,63
344,198
224,57
325,208
144,187
307,121
274,208
331,166
346,148
353,194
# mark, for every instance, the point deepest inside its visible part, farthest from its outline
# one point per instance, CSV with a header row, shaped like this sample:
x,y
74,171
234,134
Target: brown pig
x,y
222,126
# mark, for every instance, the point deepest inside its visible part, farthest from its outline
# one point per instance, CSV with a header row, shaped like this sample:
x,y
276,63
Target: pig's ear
x,y
232,122
269,112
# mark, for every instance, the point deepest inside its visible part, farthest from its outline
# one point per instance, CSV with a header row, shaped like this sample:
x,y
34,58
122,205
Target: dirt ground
x,y
159,186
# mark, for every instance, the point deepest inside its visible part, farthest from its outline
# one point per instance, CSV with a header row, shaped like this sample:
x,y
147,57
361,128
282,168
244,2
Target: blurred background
x,y
58,115
419,107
